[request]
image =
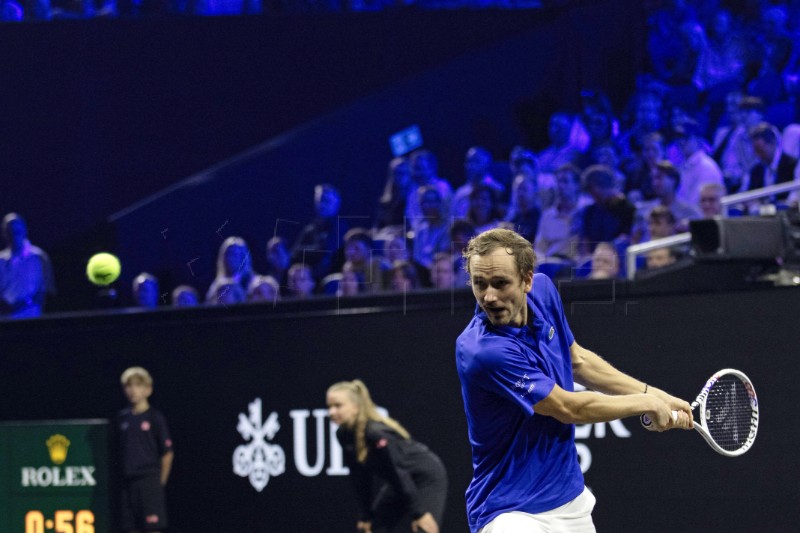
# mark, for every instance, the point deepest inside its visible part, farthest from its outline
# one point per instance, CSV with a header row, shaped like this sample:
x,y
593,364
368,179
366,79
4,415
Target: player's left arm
x,y
595,373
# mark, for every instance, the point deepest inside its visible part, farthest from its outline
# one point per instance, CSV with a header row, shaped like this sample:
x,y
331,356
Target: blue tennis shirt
x,y
522,461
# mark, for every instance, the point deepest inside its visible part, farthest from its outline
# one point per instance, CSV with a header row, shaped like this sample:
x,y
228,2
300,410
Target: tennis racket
x,y
728,408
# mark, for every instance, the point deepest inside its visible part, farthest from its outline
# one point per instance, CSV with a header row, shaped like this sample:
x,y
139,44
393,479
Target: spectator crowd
x,y
715,114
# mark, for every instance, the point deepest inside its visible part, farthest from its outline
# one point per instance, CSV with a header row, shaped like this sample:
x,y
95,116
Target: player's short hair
x,y
514,244
136,373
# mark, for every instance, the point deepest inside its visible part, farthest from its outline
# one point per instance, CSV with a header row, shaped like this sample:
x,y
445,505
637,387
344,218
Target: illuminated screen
x,y
54,477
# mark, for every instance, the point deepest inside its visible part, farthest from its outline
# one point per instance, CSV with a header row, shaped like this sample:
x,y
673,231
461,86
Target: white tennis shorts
x,y
572,517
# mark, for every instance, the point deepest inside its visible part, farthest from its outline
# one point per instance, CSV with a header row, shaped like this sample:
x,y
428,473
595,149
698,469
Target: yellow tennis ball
x,y
103,269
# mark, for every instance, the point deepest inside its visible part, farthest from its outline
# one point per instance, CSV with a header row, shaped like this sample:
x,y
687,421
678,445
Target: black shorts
x,y
143,507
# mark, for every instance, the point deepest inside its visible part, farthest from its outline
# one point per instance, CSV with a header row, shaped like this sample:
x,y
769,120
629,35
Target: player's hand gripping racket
x,y
728,409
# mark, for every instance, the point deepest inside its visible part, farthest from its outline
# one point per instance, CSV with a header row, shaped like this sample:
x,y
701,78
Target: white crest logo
x,y
258,460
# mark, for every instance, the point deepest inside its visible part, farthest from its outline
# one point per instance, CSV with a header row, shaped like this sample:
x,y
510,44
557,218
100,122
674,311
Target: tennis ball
x,y
103,269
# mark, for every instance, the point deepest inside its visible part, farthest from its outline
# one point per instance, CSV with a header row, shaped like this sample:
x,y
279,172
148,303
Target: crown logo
x,y
57,446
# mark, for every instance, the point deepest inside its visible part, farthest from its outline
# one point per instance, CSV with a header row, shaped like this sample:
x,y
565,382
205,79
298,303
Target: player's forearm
x,y
595,373
592,407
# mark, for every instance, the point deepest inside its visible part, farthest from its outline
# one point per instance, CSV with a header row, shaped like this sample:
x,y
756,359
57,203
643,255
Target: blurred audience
x,y
263,289
443,272
485,211
404,277
772,166
558,228
561,150
278,260
711,200
351,282
145,291
666,182
185,296
360,259
26,275
424,172
234,263
319,245
610,217
226,292
432,234
726,73
301,281
524,214
477,169
698,168
732,148
605,262
398,187
660,257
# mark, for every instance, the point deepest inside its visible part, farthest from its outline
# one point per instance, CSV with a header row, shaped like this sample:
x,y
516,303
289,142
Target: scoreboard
x,y
54,477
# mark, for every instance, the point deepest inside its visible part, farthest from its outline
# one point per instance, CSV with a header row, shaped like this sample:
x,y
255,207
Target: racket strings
x,y
728,413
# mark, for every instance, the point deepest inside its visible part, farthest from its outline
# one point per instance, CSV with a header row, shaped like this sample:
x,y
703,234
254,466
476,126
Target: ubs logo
x,y
258,460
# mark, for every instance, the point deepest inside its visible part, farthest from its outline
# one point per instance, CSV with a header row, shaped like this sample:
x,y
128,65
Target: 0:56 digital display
x,y
62,522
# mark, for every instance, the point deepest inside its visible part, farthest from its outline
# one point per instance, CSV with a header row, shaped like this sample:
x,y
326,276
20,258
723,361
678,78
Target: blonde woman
x,y
412,479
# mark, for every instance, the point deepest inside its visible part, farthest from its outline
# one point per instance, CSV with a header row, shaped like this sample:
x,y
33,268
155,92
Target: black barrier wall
x,y
213,367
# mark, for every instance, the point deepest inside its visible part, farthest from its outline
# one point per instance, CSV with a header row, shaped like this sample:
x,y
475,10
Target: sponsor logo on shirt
x,y
145,425
522,385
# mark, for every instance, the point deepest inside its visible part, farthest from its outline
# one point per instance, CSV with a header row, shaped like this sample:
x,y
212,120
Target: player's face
x,y
341,408
137,391
498,288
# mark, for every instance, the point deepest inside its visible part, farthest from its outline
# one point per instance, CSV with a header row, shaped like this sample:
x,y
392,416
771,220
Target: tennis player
x,y
518,362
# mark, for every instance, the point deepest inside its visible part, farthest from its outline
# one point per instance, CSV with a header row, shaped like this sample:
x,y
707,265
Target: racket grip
x,y
647,422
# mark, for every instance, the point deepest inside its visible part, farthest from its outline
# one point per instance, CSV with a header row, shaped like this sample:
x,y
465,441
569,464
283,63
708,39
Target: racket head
x,y
728,410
